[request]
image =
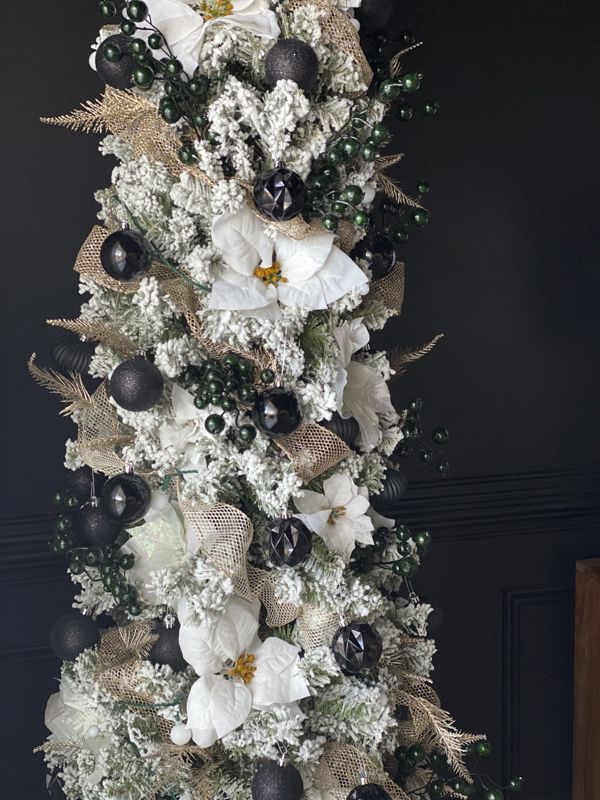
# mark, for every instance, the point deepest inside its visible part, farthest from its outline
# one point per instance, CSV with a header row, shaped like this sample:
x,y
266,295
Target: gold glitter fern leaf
x,y
69,387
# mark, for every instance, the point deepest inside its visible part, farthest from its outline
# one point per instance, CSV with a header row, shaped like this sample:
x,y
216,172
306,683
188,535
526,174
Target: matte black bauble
x,y
292,60
272,781
395,486
346,428
125,498
71,354
166,649
79,483
92,528
280,194
379,253
119,73
126,255
289,542
136,384
276,412
72,634
368,791
356,647
375,15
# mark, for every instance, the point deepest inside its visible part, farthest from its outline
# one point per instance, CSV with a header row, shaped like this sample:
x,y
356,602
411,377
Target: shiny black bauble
x,y
71,354
289,542
125,498
92,528
273,781
277,412
292,60
368,791
279,194
375,15
356,647
136,384
126,255
346,428
79,483
395,486
378,252
166,649
72,634
118,74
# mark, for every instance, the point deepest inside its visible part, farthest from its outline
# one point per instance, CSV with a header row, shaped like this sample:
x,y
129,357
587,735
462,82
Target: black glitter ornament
x,y
289,542
292,60
279,194
72,634
79,483
379,253
375,15
119,73
276,412
92,528
395,486
274,781
71,354
356,647
166,649
347,429
126,255
136,384
368,791
125,498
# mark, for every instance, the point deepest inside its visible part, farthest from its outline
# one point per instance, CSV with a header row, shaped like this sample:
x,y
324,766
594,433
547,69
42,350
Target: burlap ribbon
x,y
340,770
390,289
100,433
98,332
316,626
313,450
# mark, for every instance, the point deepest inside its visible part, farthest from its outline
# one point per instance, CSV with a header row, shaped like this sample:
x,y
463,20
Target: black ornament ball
x,y
136,384
126,255
346,429
79,483
166,649
92,528
292,60
368,791
276,412
356,647
280,194
379,253
119,73
71,354
125,498
395,486
72,634
375,15
289,542
273,781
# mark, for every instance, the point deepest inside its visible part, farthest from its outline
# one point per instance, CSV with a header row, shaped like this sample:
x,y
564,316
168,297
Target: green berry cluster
x,y
406,566
415,442
394,215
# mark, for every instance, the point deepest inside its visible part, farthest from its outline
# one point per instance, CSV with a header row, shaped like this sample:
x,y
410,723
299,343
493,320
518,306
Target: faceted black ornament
x,y
273,781
72,634
395,486
136,384
117,73
292,60
368,791
276,412
79,483
289,542
125,498
92,528
356,647
126,255
375,15
166,649
346,429
71,354
379,253
279,195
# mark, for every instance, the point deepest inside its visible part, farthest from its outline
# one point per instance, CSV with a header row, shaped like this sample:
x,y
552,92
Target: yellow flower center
x,y
336,513
244,668
271,276
211,9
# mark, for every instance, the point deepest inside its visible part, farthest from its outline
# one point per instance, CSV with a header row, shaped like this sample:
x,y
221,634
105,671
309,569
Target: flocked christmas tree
x,y
232,501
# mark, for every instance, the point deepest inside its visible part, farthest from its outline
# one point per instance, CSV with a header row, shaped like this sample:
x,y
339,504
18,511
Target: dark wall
x,y
507,269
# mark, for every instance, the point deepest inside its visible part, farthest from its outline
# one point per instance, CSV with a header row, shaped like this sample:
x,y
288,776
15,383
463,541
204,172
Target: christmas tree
x,y
245,624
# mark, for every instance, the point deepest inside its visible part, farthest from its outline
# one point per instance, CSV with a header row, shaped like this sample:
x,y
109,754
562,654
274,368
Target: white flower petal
x,y
199,718
234,292
236,628
308,502
306,295
357,507
230,704
300,259
264,24
277,678
339,489
340,275
196,646
182,27
316,522
242,240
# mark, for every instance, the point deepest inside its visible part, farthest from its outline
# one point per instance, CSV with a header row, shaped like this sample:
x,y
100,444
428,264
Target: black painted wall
x,y
507,269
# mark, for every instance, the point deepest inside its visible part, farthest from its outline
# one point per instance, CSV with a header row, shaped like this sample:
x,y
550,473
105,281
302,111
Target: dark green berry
x,y
351,147
214,423
420,217
330,222
228,404
247,433
112,52
361,218
173,67
422,187
389,90
143,77
107,8
187,154
155,41
137,10
134,609
128,27
247,393
431,107
126,561
168,110
353,194
369,153
402,533
267,376
440,435
63,524
482,748
400,235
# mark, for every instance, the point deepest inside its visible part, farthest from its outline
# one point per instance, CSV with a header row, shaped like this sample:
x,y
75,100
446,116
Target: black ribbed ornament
x,y
395,486
166,649
289,542
292,60
273,781
79,483
92,528
118,74
126,255
125,498
136,384
279,194
379,253
276,412
346,428
375,15
72,634
368,791
356,647
71,354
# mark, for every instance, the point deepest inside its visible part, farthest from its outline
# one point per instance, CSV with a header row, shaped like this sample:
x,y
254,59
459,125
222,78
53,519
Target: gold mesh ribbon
x,y
100,433
316,626
341,767
390,289
313,450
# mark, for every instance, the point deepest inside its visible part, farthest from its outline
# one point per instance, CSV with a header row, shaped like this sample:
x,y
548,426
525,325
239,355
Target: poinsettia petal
x,y
262,24
242,240
234,292
339,490
182,27
300,259
316,522
277,678
357,506
230,704
309,502
199,717
236,628
195,643
306,295
340,275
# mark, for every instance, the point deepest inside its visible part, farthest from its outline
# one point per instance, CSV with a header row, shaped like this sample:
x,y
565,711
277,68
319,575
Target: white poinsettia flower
x,y
263,273
338,515
237,671
182,430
